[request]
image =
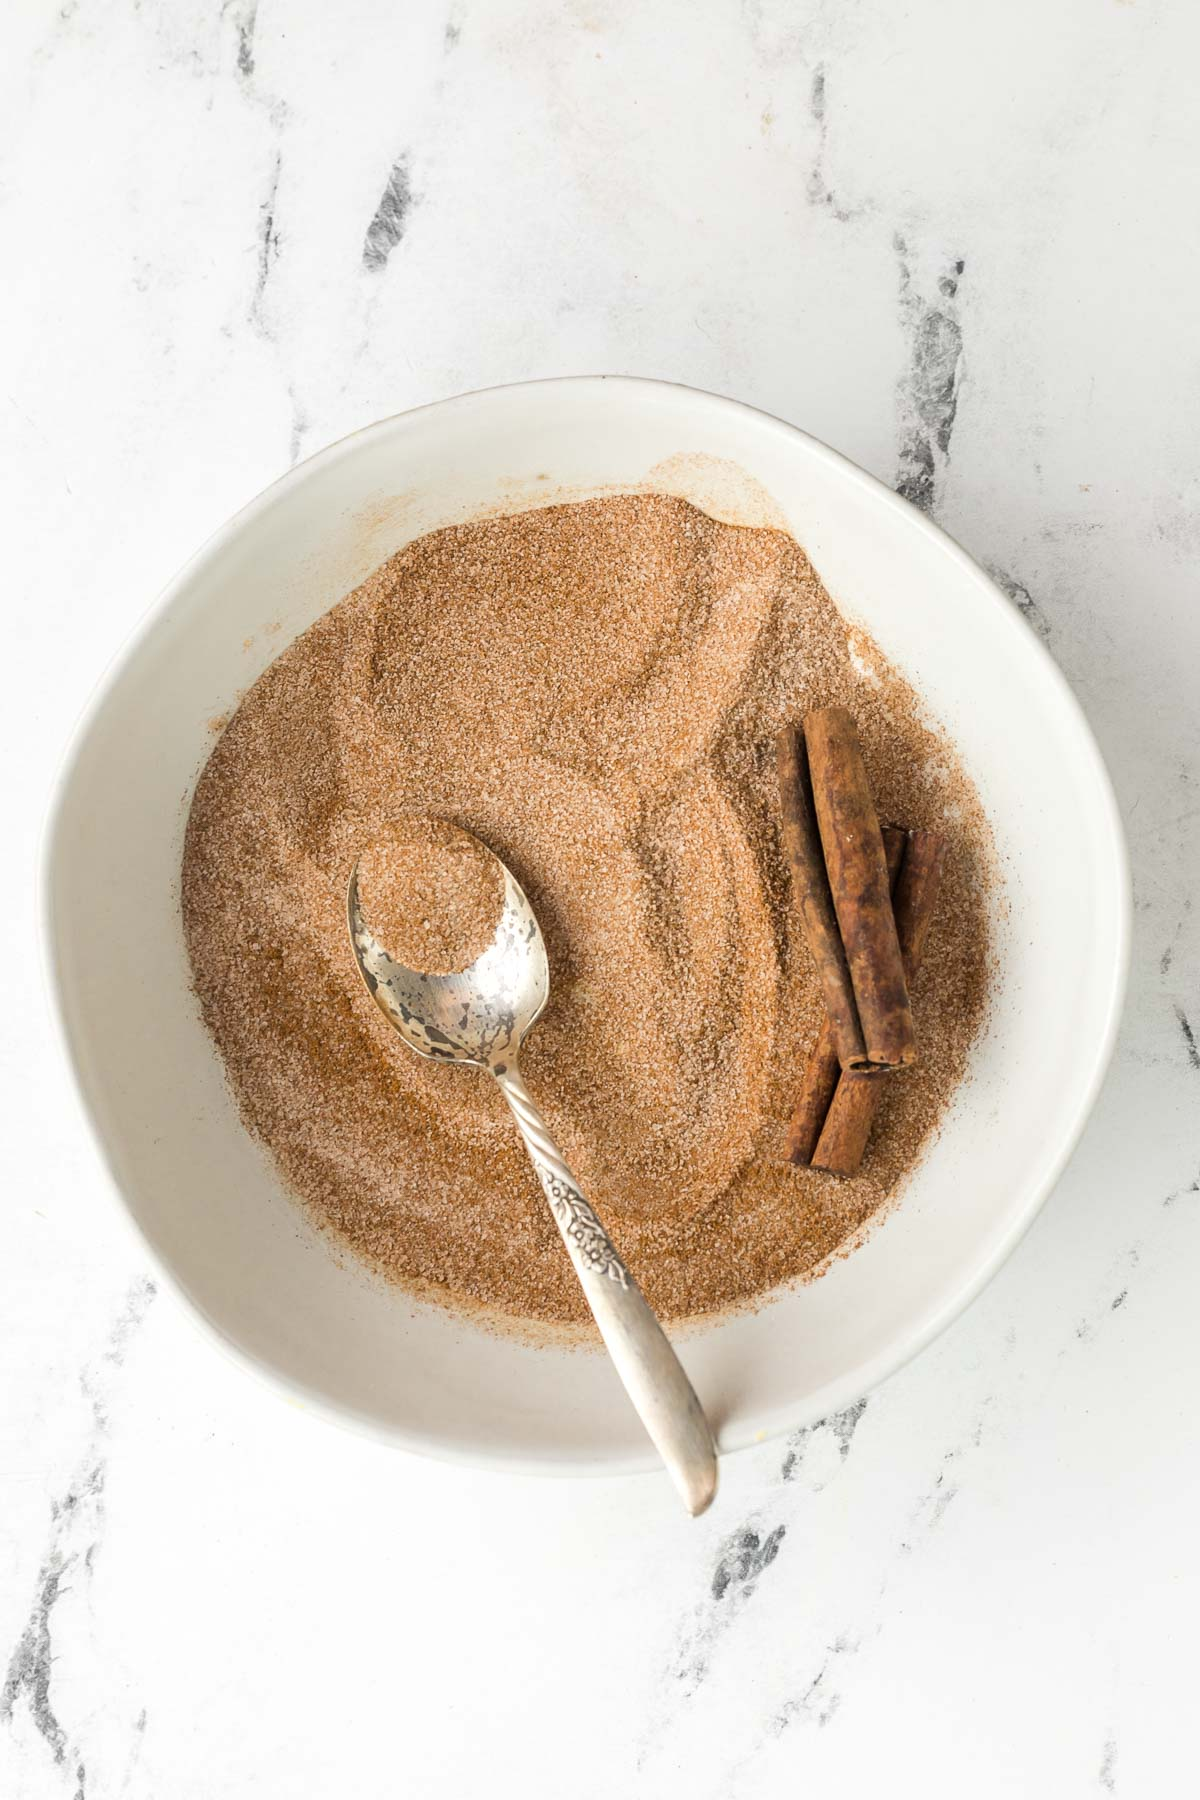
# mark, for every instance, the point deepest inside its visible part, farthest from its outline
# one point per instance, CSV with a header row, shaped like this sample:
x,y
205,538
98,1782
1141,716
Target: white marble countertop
x,y
956,241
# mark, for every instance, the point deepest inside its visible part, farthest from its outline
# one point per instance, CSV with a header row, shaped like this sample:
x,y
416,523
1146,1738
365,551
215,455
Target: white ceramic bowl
x,y
206,1198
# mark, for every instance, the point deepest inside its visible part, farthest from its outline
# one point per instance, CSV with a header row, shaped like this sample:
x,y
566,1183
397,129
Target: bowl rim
x,y
873,1370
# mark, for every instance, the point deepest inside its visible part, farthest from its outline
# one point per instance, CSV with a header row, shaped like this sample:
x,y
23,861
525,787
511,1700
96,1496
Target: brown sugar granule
x,y
594,691
430,894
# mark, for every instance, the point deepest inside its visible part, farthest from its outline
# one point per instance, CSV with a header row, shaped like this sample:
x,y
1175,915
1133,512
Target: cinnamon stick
x,y
810,886
843,1139
858,881
819,1082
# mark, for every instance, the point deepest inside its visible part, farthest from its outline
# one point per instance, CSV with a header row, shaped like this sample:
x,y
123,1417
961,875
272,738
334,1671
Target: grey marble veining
x,y
958,244
74,1536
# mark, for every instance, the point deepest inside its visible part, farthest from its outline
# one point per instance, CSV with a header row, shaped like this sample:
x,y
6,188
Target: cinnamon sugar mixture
x,y
430,894
594,690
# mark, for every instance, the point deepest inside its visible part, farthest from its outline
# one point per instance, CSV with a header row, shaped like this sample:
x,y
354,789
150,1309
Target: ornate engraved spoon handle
x,y
654,1377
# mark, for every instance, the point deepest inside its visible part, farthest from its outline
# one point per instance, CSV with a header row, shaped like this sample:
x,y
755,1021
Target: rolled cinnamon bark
x,y
851,1114
858,882
819,1082
810,886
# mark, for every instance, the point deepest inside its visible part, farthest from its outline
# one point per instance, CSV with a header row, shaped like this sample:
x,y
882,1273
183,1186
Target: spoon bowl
x,y
479,1015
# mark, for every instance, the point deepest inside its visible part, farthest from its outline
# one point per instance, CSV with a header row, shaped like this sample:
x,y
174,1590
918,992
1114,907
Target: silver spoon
x,y
481,1017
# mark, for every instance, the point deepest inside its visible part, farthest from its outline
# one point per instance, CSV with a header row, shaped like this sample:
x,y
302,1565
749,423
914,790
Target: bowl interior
x,y
207,1198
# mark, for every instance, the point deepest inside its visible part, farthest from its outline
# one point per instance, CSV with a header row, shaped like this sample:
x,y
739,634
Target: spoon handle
x,y
653,1375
